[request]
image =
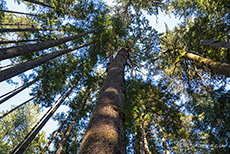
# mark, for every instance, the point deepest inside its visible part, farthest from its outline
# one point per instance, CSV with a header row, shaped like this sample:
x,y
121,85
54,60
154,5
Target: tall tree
x,y
105,132
25,145
22,67
17,51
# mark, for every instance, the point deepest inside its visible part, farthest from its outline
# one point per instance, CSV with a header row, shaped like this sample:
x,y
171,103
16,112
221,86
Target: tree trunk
x,y
218,67
19,90
166,151
24,29
17,24
21,148
105,132
25,49
145,147
216,43
39,3
55,134
67,134
20,68
5,114
19,12
18,41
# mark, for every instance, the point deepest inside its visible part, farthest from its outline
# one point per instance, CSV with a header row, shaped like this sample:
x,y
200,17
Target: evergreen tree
x,y
15,126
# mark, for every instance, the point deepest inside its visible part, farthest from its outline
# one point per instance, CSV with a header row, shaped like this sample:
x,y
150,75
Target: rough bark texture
x,y
20,68
40,3
105,132
21,148
218,67
67,134
11,52
18,12
216,43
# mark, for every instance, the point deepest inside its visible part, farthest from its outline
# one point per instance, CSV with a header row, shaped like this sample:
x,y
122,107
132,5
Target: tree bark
x,y
24,29
40,3
20,68
67,134
105,132
21,148
18,41
5,114
19,12
218,67
25,49
216,43
19,90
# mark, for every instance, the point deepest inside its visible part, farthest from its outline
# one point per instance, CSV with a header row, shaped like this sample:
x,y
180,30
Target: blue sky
x,y
23,96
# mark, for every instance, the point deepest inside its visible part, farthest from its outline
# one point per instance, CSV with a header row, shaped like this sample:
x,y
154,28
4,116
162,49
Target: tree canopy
x,y
172,95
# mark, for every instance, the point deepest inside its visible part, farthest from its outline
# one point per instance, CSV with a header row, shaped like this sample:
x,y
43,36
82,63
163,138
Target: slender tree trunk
x,y
18,41
218,67
55,134
25,49
216,43
67,134
23,147
20,68
19,90
145,147
11,91
166,151
19,12
26,137
105,132
5,114
17,24
24,29
40,3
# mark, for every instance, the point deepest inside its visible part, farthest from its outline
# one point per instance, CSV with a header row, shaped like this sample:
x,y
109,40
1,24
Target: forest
x,y
128,88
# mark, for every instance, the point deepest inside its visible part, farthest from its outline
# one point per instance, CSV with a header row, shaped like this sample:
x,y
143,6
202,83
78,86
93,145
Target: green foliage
x,y
15,127
198,126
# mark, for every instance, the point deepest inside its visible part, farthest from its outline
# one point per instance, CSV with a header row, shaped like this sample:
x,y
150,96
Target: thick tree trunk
x,y
20,68
18,12
19,90
5,114
105,132
216,43
25,49
24,29
39,3
67,134
218,67
21,148
18,41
